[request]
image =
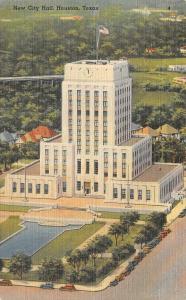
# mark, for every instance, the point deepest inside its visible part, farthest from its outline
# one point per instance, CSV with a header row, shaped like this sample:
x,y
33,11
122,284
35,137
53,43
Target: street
x,y
160,276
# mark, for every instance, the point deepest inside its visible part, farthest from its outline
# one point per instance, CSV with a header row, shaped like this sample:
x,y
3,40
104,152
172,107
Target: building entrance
x,y
87,188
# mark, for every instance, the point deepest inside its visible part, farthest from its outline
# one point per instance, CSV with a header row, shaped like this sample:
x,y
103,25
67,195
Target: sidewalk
x,y
176,211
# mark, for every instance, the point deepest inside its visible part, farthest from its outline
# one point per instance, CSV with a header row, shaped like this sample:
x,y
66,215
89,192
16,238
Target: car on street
x,y
5,282
47,285
68,287
113,283
120,277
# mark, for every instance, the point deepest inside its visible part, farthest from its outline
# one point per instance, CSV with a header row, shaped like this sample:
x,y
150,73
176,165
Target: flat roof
x,y
156,172
132,141
55,139
99,62
33,169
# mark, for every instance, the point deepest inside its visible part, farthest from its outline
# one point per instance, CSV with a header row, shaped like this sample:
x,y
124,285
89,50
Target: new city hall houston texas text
x,y
97,156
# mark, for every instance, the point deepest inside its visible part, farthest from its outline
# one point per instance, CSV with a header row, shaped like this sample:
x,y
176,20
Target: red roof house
x,y
35,135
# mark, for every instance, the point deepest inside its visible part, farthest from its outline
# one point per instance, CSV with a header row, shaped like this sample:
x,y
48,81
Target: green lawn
x,y
67,241
10,226
150,64
154,98
14,208
116,215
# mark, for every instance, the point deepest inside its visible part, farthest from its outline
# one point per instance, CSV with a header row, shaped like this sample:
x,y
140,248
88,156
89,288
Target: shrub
x,y
107,268
87,274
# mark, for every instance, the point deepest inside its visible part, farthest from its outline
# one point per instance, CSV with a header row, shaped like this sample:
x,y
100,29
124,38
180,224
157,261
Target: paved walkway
x,y
176,211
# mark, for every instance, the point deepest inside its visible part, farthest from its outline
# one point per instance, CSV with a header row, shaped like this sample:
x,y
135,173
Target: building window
x,y
96,167
95,186
69,94
115,193
46,171
123,193
87,166
148,195
139,194
64,186
78,94
55,152
45,188
79,166
38,188
22,187
131,194
29,188
46,152
105,95
14,187
55,171
78,185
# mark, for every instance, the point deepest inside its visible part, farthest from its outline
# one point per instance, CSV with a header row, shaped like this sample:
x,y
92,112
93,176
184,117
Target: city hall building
x,y
96,155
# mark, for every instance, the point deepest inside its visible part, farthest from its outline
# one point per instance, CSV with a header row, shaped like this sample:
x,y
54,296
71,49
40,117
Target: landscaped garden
x,y
90,264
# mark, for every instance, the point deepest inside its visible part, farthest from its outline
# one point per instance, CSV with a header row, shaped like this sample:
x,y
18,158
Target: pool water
x,y
31,239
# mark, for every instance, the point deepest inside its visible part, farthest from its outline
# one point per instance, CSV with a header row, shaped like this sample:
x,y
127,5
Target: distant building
x,y
8,137
147,131
135,127
179,80
151,50
167,131
177,68
37,134
183,50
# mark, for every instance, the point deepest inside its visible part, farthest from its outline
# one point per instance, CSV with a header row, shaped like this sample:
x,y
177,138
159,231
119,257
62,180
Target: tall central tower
x,y
96,112
96,107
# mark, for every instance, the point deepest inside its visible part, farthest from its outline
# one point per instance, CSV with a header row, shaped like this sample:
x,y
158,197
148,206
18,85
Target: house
x,y
151,50
168,131
183,50
179,80
37,134
147,131
135,127
8,137
177,68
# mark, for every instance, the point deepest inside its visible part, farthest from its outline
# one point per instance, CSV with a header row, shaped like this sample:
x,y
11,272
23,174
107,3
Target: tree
x,y
158,219
93,250
123,229
103,243
140,239
115,230
51,269
84,256
20,264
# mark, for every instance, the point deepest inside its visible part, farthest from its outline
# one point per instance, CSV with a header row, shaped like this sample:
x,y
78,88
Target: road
x,y
160,276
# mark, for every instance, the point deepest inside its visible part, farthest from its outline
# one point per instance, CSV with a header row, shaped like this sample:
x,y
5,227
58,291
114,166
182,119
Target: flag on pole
x,y
103,30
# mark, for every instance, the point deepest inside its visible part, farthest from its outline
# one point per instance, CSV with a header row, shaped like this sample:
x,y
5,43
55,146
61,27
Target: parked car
x,y
120,277
68,287
113,283
5,282
181,215
126,272
47,285
146,249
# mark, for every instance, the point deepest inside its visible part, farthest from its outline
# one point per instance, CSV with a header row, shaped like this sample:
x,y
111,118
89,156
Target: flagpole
x,y
97,43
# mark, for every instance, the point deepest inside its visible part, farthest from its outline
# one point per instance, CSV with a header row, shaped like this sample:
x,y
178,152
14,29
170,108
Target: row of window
x,y
37,188
79,187
87,166
131,194
87,94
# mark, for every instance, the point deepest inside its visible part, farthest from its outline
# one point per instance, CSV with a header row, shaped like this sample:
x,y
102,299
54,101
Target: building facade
x,y
97,156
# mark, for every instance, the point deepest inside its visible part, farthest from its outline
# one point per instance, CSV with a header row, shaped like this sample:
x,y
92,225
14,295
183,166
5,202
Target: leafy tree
x,y
84,256
20,264
51,269
103,243
115,230
140,239
158,219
